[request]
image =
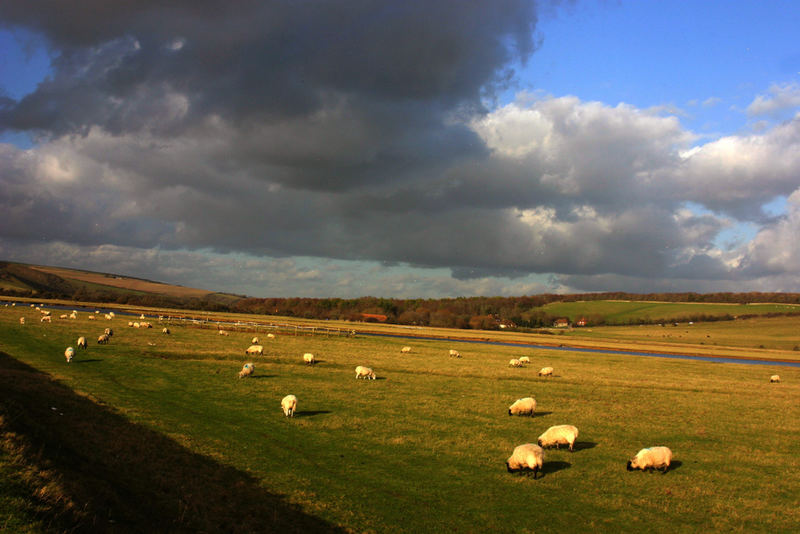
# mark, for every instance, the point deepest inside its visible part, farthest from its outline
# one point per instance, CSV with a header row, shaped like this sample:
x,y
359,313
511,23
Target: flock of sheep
x,y
527,457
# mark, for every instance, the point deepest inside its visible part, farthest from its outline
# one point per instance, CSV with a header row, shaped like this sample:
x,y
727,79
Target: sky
x,y
417,149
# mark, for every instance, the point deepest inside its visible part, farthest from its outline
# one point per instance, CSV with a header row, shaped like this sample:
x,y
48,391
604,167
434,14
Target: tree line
x,y
485,313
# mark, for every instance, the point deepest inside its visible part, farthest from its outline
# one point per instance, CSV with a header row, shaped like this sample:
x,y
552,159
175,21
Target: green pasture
x,y
156,432
772,333
625,312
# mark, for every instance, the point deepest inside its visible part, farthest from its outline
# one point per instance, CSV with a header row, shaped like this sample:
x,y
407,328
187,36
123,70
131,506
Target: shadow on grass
x,y
548,467
103,473
583,445
541,414
259,377
675,464
95,360
311,413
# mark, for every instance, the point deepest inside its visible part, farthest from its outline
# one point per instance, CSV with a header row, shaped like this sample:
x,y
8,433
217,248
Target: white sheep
x,y
515,363
524,406
289,405
108,316
69,354
309,358
524,359
526,457
130,323
546,371
91,317
774,378
454,353
254,341
165,330
270,336
405,350
255,349
81,342
62,316
559,435
102,339
247,370
73,315
109,332
222,332
364,372
22,320
45,319
651,458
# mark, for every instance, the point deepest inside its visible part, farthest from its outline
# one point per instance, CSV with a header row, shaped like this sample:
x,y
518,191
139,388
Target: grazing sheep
x,y
22,320
524,359
45,319
62,316
140,317
103,339
515,363
108,332
255,349
546,371
254,341
69,354
73,315
145,325
774,378
405,350
289,405
364,372
91,317
247,370
165,330
309,358
526,457
454,353
270,336
130,323
81,342
222,332
559,435
524,406
651,458
108,316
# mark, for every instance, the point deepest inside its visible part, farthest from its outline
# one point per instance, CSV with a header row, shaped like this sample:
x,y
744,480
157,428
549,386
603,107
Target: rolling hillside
x,y
59,282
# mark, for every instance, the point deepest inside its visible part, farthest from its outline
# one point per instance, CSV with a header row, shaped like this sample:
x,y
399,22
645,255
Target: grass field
x,y
776,333
616,312
155,432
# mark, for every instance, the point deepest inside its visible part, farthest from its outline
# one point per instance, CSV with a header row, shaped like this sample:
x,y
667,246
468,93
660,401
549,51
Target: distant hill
x,y
485,313
19,279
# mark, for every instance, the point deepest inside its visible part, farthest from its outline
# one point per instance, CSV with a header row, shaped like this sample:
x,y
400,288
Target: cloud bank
x,y
350,148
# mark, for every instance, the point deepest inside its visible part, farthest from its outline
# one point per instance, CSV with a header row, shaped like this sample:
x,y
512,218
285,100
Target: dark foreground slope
x,y
77,466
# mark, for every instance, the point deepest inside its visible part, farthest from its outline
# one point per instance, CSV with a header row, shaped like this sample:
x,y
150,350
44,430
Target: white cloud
x,y
781,97
580,190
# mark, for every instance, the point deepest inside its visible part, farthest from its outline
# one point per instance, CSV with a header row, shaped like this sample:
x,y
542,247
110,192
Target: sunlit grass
x,y
423,447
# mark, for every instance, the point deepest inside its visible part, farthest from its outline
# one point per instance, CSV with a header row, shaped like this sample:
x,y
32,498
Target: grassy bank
x,y
163,419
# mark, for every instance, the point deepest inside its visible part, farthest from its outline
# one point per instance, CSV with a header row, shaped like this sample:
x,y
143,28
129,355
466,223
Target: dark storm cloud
x,y
264,60
356,131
